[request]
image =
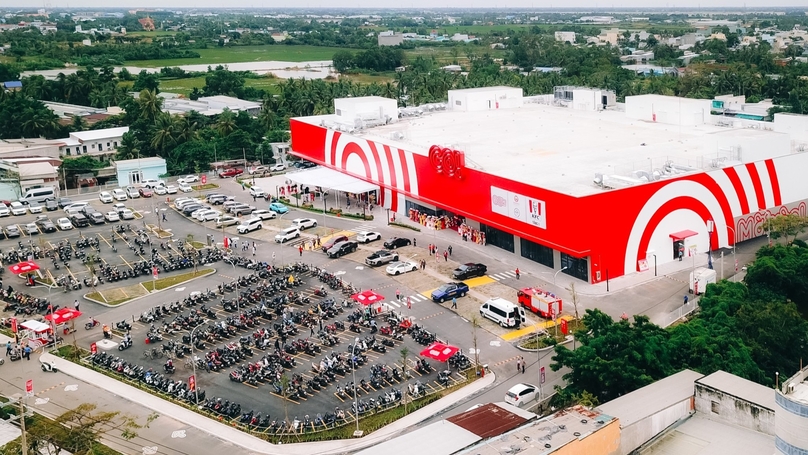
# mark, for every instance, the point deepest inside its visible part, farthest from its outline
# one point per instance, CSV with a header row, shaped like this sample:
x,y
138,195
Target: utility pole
x,y
23,440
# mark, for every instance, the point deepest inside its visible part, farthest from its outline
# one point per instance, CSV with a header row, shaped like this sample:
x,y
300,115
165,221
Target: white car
x,y
127,214
287,234
18,209
250,225
171,189
153,183
368,236
520,394
188,179
264,214
277,167
160,190
132,192
119,194
397,268
185,188
207,215
258,170
64,224
4,211
118,207
106,197
34,207
226,221
112,216
76,206
256,191
304,223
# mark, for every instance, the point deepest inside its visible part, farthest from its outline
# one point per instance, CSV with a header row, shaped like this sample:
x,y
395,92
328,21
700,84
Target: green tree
x,y
147,81
226,122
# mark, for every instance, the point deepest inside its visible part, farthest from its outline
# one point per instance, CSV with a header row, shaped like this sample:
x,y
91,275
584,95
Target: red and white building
x,y
573,180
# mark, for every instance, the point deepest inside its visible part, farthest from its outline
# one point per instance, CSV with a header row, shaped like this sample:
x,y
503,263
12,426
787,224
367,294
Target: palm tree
x,y
185,130
150,104
72,87
129,148
226,123
162,132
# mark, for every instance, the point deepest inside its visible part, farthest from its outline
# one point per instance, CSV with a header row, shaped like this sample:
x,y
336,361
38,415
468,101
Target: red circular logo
x,y
447,161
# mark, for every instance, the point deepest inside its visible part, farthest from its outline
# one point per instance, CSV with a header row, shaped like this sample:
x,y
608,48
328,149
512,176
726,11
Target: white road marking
x,y
178,434
71,388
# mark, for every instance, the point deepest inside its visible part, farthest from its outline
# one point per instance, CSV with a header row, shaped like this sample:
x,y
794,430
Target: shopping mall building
x,y
572,180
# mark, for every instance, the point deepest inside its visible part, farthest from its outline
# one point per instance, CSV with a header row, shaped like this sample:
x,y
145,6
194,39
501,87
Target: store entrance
x,y
678,249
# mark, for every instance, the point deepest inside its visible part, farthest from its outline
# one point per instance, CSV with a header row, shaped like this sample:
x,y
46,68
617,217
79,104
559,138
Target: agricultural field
x,y
238,54
185,86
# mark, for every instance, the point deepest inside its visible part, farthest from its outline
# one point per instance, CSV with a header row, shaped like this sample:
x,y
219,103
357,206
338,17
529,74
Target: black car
x,y
96,217
64,202
45,224
342,248
381,257
469,270
79,220
190,208
51,205
396,242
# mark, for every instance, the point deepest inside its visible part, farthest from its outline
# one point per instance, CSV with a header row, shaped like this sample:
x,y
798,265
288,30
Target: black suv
x,y
96,217
342,248
45,225
469,270
79,220
396,242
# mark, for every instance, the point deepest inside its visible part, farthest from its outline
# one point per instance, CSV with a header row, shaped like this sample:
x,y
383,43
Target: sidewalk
x,y
104,385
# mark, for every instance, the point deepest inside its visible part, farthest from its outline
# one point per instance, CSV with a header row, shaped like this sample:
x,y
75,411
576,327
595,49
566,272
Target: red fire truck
x,y
541,302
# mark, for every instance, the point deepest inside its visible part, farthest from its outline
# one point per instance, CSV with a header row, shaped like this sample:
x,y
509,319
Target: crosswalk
x,y
502,275
362,227
403,302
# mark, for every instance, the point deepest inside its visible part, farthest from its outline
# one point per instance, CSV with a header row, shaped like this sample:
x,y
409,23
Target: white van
x,y
38,195
503,312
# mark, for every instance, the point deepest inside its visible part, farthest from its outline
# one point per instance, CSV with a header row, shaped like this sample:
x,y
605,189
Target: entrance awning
x,y
331,179
681,235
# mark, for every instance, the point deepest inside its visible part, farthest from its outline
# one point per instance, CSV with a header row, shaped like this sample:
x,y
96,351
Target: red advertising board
x,y
29,387
14,325
93,348
192,383
203,179
564,328
541,381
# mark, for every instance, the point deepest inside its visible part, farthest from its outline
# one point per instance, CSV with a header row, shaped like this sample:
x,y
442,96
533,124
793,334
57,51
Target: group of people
x,y
470,234
435,222
17,351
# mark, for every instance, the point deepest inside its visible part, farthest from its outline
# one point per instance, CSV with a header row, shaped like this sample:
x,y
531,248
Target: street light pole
x,y
193,363
238,295
556,274
353,372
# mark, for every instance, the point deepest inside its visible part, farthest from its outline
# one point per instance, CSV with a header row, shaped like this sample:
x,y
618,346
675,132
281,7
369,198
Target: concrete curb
x,y
147,295
569,339
252,443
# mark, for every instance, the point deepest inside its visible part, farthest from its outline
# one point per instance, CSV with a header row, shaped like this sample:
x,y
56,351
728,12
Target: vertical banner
x,y
29,387
93,348
541,376
192,383
564,328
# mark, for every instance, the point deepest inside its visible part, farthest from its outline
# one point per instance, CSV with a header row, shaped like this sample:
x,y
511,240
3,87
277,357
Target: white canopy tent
x,y
331,179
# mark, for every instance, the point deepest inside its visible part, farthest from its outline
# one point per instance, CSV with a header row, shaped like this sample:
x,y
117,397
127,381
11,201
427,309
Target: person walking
x,y
8,348
409,303
164,216
517,273
414,242
398,295
300,248
454,302
27,353
518,366
446,255
523,365
76,304
449,249
255,198
311,334
253,249
243,186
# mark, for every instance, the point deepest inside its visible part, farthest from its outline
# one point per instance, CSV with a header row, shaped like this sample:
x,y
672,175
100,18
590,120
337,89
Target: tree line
x,y
752,329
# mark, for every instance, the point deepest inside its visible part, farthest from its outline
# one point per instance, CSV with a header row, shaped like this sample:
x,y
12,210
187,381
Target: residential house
x,y
94,142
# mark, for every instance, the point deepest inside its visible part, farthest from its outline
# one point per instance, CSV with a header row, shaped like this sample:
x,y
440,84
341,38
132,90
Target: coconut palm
x,y
150,104
226,122
162,132
129,148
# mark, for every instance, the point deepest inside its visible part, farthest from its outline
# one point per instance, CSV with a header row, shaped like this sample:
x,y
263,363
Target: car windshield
x,y
445,287
463,268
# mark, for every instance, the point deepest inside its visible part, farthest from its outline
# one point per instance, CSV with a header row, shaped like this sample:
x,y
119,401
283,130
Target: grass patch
x,y
402,225
238,54
41,428
207,186
552,337
98,297
163,283
117,296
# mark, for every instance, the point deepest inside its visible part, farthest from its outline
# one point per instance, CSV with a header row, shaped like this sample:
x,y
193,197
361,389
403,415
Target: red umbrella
x,y
439,351
63,315
367,297
24,267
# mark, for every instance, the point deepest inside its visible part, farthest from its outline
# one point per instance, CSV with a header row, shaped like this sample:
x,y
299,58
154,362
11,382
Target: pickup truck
x,y
381,257
232,172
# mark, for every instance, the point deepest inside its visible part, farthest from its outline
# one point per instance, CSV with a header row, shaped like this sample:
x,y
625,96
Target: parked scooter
x,y
48,367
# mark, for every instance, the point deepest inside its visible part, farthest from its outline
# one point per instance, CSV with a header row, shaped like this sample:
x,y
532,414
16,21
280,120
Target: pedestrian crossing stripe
x,y
403,302
502,276
364,227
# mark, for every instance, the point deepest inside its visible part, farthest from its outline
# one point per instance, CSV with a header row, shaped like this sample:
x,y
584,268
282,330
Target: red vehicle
x,y
232,172
541,302
145,192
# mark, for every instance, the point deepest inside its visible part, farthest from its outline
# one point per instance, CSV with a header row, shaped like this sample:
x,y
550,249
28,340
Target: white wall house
x,y
93,142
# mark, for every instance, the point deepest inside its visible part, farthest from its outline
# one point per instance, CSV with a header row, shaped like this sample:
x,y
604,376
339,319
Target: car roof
x,y
521,386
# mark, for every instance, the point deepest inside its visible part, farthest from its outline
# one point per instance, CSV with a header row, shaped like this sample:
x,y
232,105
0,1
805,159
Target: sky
x,y
377,4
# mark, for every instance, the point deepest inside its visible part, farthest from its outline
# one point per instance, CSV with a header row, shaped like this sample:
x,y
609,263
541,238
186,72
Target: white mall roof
x,y
94,135
556,148
442,437
331,179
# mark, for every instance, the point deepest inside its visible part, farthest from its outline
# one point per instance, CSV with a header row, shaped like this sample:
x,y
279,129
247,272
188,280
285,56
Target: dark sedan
x,y
449,290
396,242
469,270
45,225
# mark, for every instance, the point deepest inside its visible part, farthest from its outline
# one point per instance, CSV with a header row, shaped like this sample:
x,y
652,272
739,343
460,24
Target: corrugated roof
x,y
740,388
704,436
28,169
12,84
649,400
94,135
436,439
488,420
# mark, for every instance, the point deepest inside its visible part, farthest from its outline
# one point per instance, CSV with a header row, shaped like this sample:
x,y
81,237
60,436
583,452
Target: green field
x,y
155,33
238,54
185,86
